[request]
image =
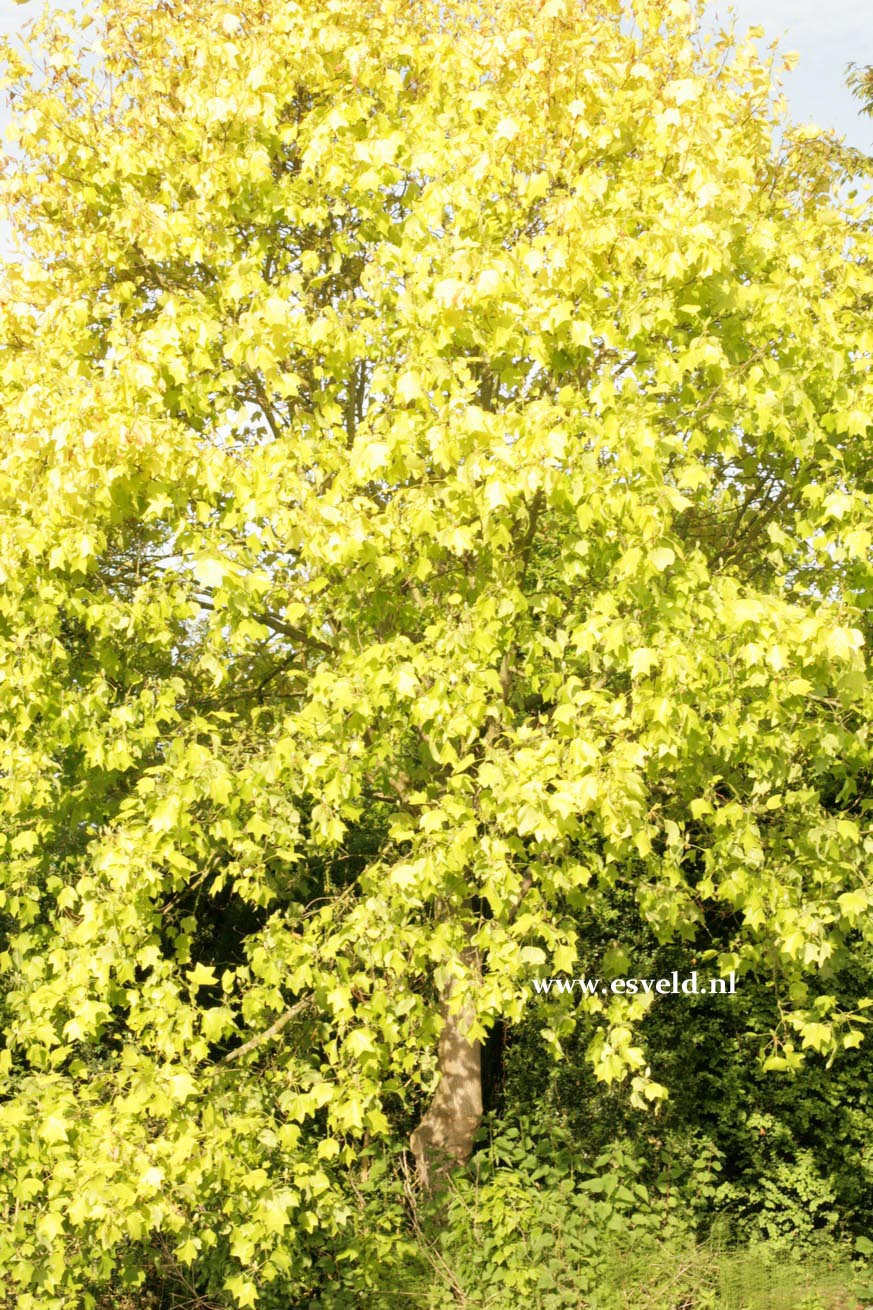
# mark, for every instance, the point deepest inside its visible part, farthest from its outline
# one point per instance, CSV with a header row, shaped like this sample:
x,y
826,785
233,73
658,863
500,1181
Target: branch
x,y
277,625
525,548
274,1029
527,540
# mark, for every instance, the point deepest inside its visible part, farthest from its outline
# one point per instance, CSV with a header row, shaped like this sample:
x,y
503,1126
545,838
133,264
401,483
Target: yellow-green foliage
x,y
434,489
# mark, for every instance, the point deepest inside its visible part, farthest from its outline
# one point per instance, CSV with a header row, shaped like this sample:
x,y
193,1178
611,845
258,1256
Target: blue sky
x,y
827,36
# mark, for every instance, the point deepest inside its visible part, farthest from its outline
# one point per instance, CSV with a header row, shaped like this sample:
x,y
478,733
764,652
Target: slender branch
x,y
273,1031
273,621
527,540
525,548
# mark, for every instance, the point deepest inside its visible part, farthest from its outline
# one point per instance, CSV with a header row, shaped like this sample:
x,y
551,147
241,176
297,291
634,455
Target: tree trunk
x,y
444,1138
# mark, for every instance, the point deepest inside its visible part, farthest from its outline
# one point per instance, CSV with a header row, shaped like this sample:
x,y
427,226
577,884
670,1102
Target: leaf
x,y
182,1086
816,1035
409,387
216,1022
853,904
361,1042
642,661
209,572
563,959
488,282
53,1129
202,975
533,955
842,643
662,557
242,1289
374,456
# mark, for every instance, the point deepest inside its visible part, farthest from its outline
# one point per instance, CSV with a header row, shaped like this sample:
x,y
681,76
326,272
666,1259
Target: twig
x,y
435,1259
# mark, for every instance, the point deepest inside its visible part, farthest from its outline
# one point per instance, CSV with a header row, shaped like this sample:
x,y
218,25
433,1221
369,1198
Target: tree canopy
x,y
435,497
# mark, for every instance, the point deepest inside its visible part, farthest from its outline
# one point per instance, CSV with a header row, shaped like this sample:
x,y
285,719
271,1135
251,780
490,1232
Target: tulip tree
x,y
435,494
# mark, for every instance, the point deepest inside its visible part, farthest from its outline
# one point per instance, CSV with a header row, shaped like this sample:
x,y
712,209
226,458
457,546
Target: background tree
x,y
861,82
435,503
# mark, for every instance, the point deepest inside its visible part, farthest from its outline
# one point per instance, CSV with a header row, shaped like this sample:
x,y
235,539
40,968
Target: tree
x,y
861,83
435,495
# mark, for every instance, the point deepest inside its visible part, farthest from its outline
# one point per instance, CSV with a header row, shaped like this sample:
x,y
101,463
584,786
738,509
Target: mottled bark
x,y
444,1138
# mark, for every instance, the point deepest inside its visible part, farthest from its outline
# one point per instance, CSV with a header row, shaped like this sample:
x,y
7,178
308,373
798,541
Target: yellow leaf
x,y
209,571
662,558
